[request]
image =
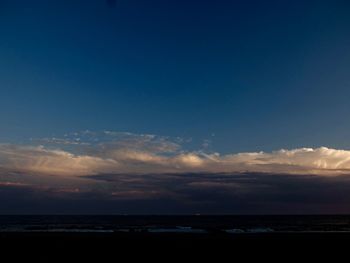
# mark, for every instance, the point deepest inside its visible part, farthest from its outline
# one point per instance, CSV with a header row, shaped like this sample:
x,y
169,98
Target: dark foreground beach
x,y
164,247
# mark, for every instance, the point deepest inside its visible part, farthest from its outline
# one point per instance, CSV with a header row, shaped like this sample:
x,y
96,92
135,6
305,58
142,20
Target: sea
x,y
195,224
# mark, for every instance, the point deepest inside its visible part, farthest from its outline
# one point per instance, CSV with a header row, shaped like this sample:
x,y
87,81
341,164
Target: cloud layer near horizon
x,y
83,154
113,172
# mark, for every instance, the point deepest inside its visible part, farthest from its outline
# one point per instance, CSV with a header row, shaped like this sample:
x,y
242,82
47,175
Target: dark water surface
x,y
191,224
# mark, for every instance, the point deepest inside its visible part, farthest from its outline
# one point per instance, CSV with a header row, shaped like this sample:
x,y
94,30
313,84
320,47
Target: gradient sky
x,y
96,88
260,75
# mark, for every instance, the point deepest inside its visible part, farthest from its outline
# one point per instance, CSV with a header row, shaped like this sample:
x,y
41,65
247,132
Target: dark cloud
x,y
243,193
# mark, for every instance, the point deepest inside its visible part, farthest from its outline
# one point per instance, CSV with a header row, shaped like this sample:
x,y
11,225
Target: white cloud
x,y
126,153
38,159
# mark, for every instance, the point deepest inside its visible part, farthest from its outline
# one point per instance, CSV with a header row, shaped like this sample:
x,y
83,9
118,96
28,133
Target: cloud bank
x,y
113,172
89,153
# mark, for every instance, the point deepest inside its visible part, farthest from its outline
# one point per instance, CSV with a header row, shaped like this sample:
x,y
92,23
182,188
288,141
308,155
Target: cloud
x,y
38,159
88,153
13,184
240,193
155,173
322,161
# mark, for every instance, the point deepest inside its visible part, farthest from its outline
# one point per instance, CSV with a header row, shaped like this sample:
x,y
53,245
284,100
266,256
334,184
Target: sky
x,y
174,107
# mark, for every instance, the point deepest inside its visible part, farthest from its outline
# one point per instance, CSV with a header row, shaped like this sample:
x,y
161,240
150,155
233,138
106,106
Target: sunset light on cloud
x,y
127,153
174,106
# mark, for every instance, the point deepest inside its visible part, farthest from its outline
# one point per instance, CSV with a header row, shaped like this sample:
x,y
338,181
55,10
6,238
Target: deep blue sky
x,y
260,75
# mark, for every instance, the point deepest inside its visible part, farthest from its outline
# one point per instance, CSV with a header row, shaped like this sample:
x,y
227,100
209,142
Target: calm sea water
x,y
194,224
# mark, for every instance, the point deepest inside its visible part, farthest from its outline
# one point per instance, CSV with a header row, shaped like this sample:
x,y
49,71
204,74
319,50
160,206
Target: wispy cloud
x,y
13,184
41,160
89,153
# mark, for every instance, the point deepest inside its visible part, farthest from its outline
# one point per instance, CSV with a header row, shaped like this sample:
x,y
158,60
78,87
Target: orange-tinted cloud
x,y
126,153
